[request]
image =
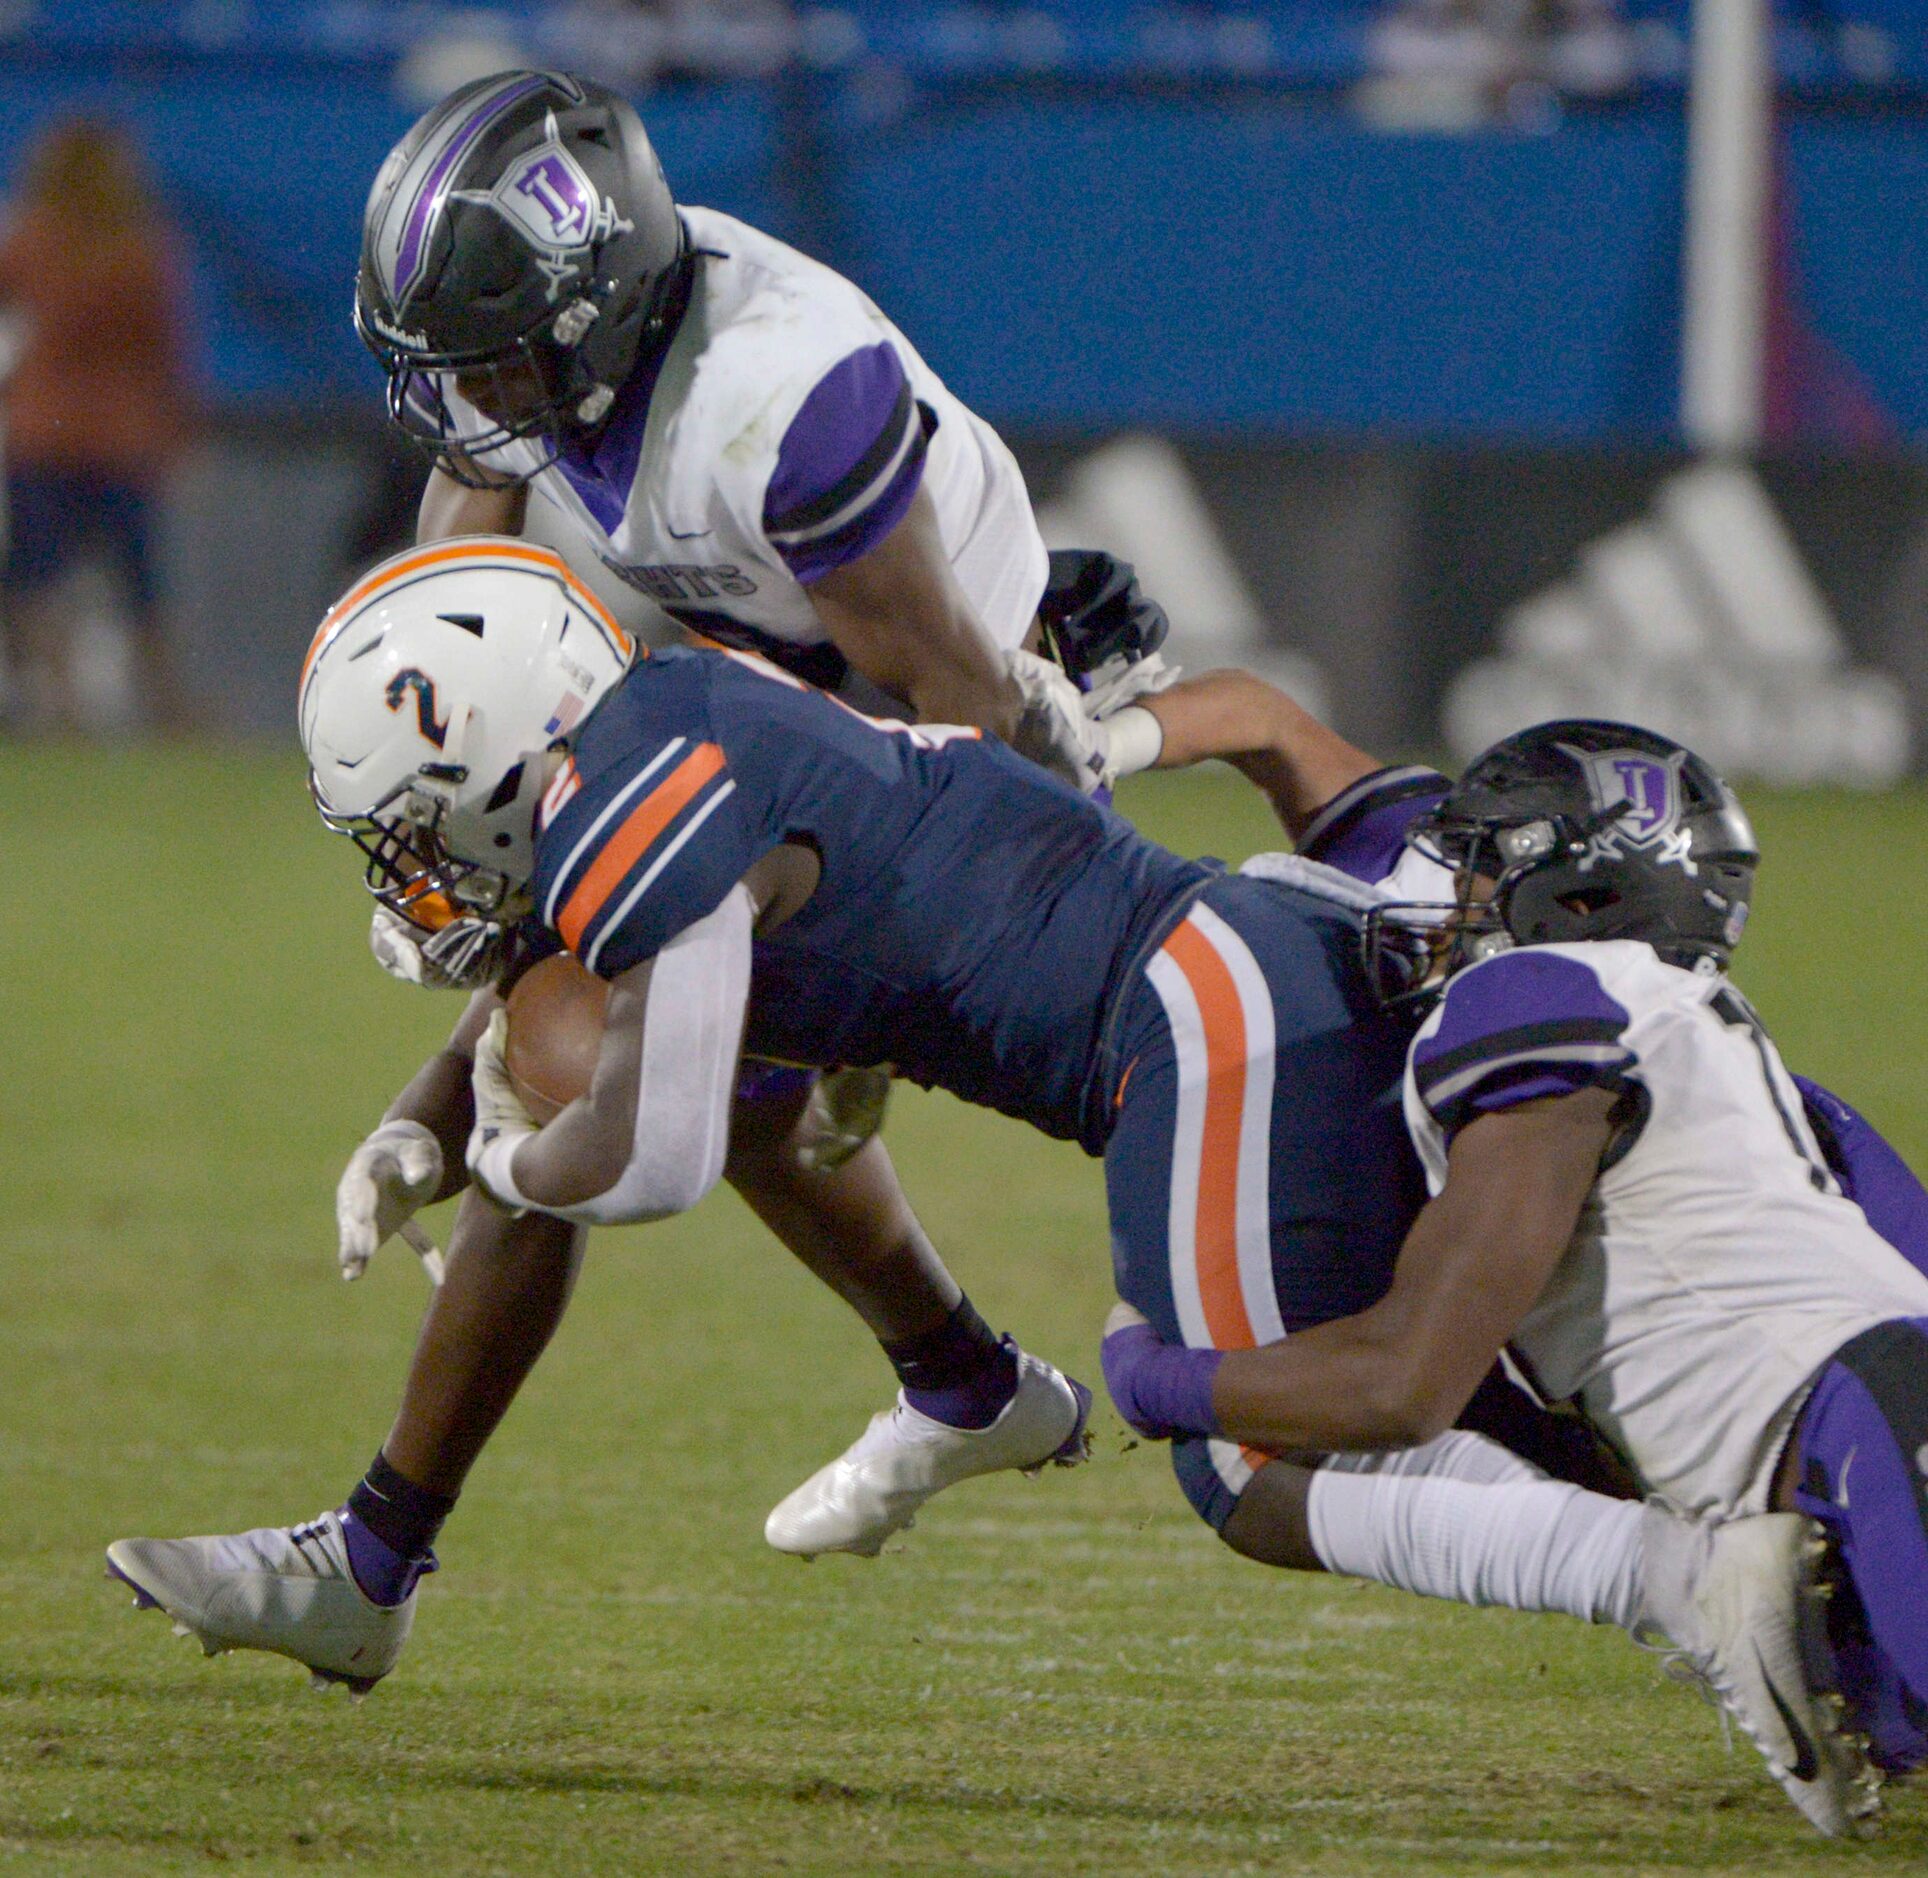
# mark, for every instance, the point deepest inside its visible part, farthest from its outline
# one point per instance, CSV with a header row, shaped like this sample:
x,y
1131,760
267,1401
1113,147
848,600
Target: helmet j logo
x,y
1649,787
547,198
423,686
555,197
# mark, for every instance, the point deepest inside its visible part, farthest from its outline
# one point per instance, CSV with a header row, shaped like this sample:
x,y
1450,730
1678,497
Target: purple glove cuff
x,y
1161,1389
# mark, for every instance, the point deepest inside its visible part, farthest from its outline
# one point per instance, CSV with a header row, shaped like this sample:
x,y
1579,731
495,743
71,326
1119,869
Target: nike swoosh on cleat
x,y
695,534
1806,1762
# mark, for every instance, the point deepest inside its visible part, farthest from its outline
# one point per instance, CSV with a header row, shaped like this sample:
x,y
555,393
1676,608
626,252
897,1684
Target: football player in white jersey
x,y
1635,1199
736,432
731,428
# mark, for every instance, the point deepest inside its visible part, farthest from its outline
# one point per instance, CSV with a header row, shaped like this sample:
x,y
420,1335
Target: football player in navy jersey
x,y
1213,1036
1720,1264
912,895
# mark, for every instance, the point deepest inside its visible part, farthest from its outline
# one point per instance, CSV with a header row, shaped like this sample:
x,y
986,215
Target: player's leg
x,y
970,1402
1458,1518
124,516
1185,1185
338,1593
507,1286
850,1226
1861,1468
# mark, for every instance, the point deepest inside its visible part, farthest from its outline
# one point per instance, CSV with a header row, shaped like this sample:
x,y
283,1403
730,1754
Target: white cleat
x,y
875,1487
1736,1600
288,1589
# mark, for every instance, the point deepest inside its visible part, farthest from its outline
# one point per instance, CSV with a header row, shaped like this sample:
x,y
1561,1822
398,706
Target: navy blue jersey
x,y
974,919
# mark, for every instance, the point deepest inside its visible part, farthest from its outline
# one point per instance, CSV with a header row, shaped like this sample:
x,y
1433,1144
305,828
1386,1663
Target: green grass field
x,y
612,1673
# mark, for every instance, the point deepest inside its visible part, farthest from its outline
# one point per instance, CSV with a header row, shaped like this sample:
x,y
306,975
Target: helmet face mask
x,y
1411,947
1571,831
526,390
522,239
410,869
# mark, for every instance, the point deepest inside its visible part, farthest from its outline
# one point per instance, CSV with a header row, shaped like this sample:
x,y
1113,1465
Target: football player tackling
x,y
1635,1198
730,428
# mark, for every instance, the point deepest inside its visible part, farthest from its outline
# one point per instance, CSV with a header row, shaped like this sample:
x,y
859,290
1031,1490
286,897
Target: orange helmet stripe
x,y
386,576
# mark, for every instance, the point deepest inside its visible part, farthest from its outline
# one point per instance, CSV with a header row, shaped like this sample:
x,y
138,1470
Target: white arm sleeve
x,y
692,1036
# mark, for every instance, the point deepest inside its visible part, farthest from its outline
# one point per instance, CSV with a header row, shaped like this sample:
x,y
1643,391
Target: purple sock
x,y
1862,1433
974,1404
961,1373
384,1575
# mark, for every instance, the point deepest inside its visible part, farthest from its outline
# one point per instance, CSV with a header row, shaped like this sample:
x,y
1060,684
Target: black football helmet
x,y
1581,829
522,238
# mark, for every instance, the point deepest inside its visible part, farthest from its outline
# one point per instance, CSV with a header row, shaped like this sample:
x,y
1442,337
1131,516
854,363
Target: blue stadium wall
x,y
1217,264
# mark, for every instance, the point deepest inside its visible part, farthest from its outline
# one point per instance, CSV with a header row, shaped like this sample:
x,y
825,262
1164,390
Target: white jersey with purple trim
x,y
783,434
1716,1266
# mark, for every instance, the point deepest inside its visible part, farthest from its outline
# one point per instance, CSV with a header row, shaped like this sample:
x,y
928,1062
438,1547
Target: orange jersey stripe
x,y
351,602
634,838
1220,1290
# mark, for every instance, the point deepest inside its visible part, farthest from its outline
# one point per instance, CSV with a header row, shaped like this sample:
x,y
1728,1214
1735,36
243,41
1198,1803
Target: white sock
x,y
1428,1522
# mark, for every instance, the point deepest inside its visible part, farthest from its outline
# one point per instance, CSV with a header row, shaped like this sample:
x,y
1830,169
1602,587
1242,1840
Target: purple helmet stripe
x,y
411,253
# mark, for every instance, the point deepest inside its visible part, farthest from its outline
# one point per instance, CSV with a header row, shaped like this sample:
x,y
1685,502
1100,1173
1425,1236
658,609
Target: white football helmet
x,y
428,700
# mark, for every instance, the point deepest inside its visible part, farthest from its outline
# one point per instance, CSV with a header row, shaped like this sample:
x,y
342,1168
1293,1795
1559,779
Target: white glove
x,y
502,1124
1054,730
462,956
395,1171
1120,681
1132,737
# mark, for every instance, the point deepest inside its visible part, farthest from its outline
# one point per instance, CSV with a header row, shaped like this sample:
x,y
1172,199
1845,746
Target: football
x,y
555,1033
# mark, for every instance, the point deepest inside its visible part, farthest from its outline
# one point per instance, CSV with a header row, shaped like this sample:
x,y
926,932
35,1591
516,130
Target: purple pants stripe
x,y
1864,1476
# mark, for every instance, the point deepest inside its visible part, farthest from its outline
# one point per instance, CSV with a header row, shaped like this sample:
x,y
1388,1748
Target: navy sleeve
x,y
1871,1173
648,849
848,465
1362,830
1521,1026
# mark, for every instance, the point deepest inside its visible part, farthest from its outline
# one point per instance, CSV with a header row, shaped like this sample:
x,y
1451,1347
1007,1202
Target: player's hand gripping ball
x,y
555,1034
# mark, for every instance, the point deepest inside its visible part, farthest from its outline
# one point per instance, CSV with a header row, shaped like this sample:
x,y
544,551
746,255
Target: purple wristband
x,y
1161,1389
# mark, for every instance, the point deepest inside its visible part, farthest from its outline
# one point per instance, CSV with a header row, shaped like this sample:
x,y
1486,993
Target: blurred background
x,y
1464,362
